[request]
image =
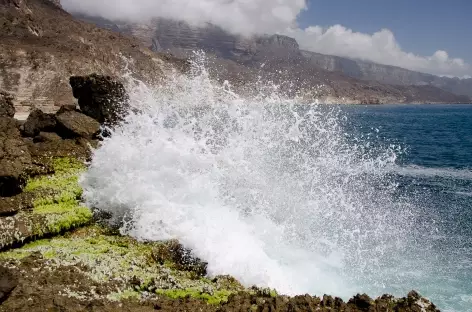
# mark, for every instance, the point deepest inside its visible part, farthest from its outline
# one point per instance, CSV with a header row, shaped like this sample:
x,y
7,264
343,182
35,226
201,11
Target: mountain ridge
x,y
166,33
180,39
41,46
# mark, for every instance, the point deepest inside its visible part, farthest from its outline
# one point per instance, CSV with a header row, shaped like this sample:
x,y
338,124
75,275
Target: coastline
x,y
59,255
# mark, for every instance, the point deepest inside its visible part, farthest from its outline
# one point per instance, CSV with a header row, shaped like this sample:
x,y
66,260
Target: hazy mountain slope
x,y
41,46
388,74
279,59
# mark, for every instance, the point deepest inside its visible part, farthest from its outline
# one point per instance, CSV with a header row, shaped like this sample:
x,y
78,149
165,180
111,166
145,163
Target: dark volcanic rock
x,y
14,158
12,205
180,256
38,121
362,302
47,137
101,97
75,124
6,105
8,283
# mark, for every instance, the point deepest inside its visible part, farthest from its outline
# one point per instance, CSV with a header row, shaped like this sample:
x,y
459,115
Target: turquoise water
x,y
435,173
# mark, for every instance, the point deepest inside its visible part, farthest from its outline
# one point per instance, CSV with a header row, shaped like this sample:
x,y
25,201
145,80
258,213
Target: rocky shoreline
x,y
58,255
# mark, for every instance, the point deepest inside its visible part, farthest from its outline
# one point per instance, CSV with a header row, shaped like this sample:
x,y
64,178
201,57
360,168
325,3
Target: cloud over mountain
x,y
379,47
248,17
237,16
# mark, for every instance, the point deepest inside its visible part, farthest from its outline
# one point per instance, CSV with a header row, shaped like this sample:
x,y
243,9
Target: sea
x,y
304,198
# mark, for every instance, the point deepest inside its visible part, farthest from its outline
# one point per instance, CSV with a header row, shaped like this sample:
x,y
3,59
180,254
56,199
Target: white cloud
x,y
379,47
272,16
238,16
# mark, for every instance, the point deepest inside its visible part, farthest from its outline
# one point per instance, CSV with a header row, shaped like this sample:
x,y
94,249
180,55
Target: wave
x,y
263,189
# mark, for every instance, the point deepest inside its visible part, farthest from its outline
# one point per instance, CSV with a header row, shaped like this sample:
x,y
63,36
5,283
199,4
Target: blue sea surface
x,y
435,171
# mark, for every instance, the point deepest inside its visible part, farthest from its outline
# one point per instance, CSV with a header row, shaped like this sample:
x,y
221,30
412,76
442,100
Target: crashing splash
x,y
269,191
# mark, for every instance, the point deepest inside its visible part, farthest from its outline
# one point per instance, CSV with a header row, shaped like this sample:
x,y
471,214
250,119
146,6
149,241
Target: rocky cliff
x,y
388,74
335,79
41,46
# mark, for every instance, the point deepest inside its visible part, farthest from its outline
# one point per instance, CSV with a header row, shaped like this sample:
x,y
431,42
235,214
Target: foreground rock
x,y
101,97
49,205
75,124
37,122
10,206
6,105
14,158
8,283
94,269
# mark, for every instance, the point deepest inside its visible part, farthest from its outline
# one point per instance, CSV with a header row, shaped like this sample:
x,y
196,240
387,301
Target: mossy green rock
x,y
56,205
124,265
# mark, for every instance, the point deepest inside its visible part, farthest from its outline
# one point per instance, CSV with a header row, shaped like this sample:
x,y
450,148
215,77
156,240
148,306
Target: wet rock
x,y
59,148
179,257
12,205
47,137
38,121
9,127
8,282
14,158
66,108
413,296
362,302
75,124
101,97
6,105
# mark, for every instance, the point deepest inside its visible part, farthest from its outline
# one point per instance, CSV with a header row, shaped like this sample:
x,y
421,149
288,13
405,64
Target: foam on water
x,y
266,190
419,171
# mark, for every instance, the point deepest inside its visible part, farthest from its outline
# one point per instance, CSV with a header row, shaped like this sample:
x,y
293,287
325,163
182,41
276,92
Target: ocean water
x,y
302,198
434,172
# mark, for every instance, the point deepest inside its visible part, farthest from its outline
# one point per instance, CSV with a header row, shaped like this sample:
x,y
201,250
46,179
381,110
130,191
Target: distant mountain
x,y
76,47
179,38
388,74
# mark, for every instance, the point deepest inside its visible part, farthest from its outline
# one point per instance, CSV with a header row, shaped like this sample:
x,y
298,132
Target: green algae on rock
x,y
56,205
126,264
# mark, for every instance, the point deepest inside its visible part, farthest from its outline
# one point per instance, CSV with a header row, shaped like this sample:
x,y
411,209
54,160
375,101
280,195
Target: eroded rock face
x,y
6,105
38,121
75,124
14,158
101,97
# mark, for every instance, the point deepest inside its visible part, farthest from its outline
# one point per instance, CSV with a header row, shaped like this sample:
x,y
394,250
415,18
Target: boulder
x,y
14,158
8,283
75,124
38,121
101,97
6,105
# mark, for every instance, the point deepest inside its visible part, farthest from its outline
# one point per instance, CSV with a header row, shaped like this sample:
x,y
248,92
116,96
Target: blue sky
x,y
420,26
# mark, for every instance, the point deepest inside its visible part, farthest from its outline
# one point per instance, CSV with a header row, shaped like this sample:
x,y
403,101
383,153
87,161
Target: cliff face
x,y
41,46
279,59
180,39
388,74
